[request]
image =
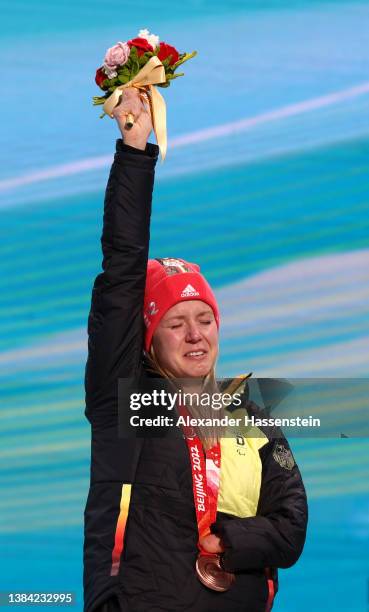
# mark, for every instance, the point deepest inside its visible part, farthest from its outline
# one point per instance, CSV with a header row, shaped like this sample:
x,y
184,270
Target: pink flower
x,y
116,56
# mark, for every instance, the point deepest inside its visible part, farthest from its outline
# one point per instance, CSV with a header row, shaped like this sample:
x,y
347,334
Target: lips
x,y
195,354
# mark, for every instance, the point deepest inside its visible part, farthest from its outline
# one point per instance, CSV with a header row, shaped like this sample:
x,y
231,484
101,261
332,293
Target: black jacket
x,y
156,569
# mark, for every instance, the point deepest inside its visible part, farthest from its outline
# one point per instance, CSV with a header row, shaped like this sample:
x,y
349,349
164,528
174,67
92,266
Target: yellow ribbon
x,y
150,75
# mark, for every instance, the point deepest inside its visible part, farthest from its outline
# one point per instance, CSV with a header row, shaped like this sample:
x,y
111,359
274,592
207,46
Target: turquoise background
x,y
265,185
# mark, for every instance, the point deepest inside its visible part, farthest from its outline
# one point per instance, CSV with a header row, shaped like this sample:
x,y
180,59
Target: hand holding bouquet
x,y
134,104
142,63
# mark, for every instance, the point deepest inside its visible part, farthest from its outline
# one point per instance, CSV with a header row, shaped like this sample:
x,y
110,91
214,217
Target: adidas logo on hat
x,y
189,291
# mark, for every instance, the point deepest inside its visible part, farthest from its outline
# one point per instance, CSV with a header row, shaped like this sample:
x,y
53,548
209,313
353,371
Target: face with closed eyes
x,y
186,340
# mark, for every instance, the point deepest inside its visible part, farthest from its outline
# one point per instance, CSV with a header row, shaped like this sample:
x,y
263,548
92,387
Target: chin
x,y
198,370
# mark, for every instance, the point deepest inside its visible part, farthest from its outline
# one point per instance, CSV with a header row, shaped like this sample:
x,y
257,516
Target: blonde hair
x,y
209,436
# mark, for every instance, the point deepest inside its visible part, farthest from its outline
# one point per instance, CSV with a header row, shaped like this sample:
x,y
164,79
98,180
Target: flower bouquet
x,y
142,62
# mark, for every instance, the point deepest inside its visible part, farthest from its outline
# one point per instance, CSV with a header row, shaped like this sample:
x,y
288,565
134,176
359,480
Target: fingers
x,y
145,101
132,102
212,543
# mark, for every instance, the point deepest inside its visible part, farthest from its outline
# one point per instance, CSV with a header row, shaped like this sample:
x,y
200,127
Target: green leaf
x,y
144,58
184,58
123,71
135,69
110,82
98,100
170,77
123,78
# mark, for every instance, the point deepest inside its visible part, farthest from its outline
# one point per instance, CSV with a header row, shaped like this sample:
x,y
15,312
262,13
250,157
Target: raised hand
x,y
136,103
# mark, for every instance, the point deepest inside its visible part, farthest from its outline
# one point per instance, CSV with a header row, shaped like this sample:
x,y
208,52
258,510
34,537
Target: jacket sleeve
x,y
276,535
115,322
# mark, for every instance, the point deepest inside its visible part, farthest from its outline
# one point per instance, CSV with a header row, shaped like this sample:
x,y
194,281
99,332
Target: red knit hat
x,y
168,282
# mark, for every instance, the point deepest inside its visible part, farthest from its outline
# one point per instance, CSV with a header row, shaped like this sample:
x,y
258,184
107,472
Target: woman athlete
x,y
153,540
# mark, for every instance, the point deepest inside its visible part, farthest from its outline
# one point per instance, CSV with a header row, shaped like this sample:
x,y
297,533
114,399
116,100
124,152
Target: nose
x,y
193,333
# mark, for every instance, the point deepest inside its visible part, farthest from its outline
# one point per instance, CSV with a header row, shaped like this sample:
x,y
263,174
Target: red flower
x,y
167,50
100,77
141,44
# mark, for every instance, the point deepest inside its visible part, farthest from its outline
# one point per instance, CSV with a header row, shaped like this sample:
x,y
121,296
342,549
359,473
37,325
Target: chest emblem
x,y
241,445
283,456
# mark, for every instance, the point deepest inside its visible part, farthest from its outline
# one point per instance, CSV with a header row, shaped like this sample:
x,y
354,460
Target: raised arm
x,y
115,323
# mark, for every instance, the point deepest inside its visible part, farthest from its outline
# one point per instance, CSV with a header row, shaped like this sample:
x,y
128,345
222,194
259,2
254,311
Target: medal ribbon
x,y
205,479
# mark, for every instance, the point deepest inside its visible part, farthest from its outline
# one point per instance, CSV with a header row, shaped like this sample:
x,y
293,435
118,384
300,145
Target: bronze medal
x,y
211,573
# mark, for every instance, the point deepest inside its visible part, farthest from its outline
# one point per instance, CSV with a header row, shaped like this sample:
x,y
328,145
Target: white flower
x,y
152,39
110,72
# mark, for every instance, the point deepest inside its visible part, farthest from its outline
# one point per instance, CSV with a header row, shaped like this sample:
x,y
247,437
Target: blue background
x,y
265,185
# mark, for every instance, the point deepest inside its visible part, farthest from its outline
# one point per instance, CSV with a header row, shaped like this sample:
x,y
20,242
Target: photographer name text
x,y
226,421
